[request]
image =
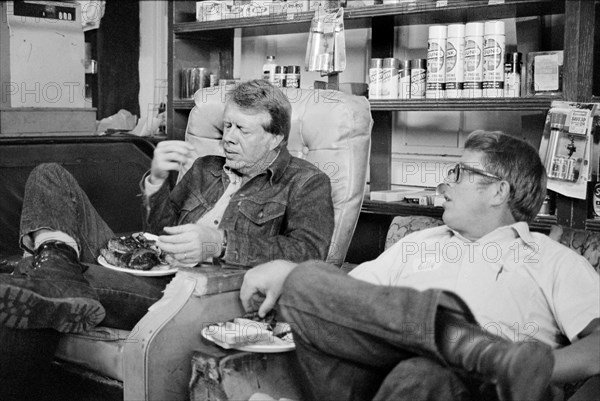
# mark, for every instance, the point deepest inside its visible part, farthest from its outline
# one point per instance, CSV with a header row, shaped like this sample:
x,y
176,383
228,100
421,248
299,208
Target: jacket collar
x,y
275,169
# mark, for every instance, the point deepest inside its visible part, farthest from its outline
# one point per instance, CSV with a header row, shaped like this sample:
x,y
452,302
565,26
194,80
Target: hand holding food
x,y
191,243
168,156
263,284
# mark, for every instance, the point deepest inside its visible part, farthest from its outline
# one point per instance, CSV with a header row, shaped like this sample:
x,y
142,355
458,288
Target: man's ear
x,y
502,194
275,141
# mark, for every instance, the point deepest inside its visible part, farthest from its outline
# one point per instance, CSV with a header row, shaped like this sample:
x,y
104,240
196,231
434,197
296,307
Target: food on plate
x,y
133,251
250,330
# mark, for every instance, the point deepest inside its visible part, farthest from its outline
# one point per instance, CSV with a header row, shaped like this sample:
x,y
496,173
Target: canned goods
x,y
597,200
418,77
280,72
292,76
375,78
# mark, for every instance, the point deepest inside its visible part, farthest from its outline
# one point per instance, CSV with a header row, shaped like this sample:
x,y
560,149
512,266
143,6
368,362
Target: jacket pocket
x,y
261,213
193,207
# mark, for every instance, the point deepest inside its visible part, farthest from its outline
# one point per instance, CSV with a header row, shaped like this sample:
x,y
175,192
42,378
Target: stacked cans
x,y
286,76
463,61
390,78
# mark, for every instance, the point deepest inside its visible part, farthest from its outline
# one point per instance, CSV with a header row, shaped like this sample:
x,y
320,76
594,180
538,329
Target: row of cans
x,y
390,78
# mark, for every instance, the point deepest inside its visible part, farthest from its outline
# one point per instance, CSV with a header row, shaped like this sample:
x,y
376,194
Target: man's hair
x,y
516,162
259,95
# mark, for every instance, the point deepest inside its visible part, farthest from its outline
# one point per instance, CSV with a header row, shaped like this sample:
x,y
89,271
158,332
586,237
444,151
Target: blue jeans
x,y
54,200
355,340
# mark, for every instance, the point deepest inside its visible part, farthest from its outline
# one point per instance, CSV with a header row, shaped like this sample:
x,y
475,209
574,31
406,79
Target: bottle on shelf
x,y
512,75
269,69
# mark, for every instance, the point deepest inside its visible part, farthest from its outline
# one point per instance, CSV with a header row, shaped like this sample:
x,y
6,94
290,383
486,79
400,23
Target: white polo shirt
x,y
518,284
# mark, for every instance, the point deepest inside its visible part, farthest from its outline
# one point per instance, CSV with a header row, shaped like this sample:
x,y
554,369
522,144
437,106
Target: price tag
x,y
441,3
492,2
578,120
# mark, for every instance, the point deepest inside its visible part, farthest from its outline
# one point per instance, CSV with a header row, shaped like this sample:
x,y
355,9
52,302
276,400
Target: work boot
x,y
48,290
519,370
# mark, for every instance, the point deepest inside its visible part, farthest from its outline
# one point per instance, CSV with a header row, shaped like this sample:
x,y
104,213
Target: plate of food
x,y
250,335
135,254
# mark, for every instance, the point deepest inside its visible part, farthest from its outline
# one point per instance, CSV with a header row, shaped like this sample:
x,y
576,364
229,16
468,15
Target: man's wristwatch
x,y
223,245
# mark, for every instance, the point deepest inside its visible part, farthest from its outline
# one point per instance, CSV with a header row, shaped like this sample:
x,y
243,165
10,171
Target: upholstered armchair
x,y
153,361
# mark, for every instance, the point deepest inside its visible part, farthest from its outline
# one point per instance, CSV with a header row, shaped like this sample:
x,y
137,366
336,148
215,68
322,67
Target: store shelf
x,y
512,104
500,104
541,223
183,104
400,208
413,12
592,224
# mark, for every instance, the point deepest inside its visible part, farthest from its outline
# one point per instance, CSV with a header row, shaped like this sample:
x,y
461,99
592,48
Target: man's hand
x,y
168,156
263,285
191,243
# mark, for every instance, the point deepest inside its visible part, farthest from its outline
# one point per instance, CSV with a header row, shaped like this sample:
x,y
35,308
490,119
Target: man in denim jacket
x,y
256,204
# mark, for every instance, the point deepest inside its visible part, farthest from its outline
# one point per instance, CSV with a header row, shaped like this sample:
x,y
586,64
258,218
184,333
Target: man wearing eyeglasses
x,y
400,326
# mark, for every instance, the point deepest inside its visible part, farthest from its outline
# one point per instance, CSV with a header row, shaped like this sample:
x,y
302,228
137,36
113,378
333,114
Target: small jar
x,y
279,81
292,76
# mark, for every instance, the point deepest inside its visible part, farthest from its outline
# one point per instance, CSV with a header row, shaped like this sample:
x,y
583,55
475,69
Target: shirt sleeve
x,y
575,295
149,188
385,269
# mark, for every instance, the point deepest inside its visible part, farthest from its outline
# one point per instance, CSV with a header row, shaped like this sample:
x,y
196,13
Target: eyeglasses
x,y
455,173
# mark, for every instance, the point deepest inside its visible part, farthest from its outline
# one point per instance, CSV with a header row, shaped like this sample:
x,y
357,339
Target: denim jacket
x,y
285,212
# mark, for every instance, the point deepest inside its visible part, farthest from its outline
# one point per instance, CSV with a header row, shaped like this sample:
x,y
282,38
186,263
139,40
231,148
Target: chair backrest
x,y
329,128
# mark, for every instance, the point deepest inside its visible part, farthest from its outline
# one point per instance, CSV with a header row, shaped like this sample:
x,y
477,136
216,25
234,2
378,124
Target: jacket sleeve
x,y
304,235
164,206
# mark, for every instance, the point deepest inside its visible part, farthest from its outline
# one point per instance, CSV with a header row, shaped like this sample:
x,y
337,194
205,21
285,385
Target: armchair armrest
x,y
157,355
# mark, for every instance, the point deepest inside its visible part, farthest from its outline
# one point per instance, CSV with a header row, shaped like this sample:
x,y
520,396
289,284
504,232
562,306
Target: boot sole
x,y
21,308
528,377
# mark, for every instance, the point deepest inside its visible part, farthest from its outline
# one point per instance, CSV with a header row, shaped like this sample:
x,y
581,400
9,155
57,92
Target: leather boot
x,y
48,290
519,370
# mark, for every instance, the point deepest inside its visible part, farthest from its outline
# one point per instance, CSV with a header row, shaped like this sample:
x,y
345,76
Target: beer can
x,y
596,200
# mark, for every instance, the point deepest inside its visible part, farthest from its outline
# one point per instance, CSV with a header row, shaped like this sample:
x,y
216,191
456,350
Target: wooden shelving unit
x,y
211,44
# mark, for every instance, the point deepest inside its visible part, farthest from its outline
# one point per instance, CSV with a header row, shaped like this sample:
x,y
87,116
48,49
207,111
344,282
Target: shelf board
x,y
541,222
499,104
400,208
520,104
592,224
183,104
517,7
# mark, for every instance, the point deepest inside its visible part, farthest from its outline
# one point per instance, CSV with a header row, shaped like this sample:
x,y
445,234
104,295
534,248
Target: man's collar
x,y
276,168
520,229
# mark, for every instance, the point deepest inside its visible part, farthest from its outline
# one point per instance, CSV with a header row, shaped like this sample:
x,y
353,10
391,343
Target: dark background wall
x,y
118,51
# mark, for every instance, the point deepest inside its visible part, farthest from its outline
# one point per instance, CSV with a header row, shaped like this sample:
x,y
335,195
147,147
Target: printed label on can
x,y
493,57
472,62
435,58
292,81
417,83
597,200
375,81
389,83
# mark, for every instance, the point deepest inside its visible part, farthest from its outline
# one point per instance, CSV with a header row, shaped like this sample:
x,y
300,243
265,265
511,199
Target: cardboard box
x,y
21,121
392,195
